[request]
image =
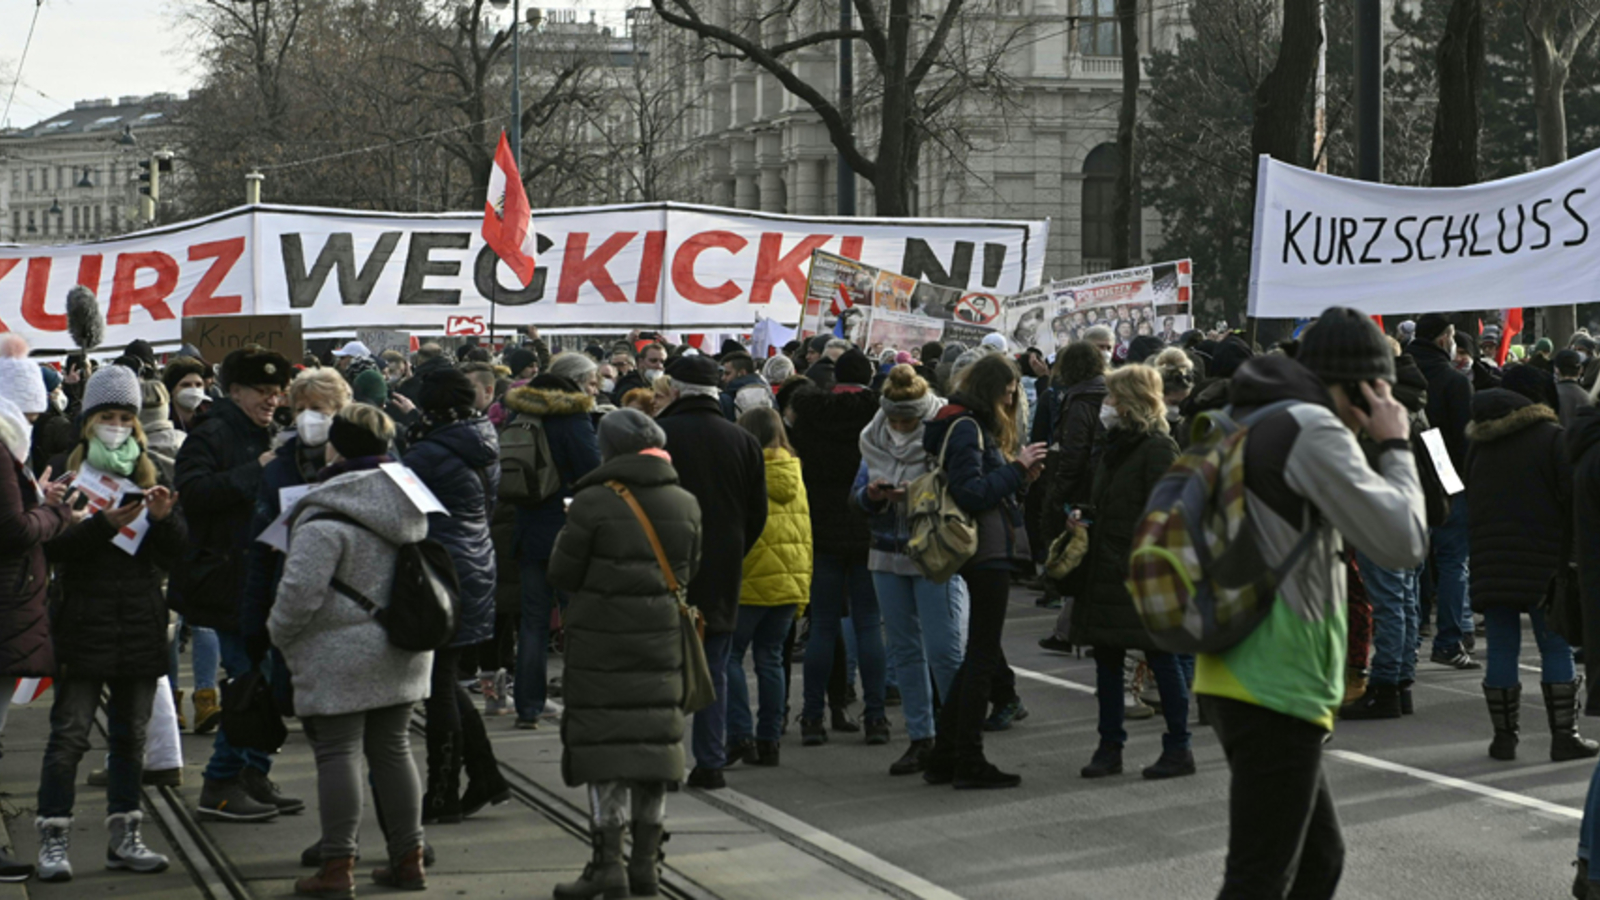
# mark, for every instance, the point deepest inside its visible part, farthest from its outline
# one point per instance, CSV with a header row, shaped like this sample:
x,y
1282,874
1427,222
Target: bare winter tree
x,y
924,70
1457,124
1123,209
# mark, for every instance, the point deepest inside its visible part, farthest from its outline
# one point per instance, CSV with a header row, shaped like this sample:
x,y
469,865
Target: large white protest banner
x,y
659,266
1323,241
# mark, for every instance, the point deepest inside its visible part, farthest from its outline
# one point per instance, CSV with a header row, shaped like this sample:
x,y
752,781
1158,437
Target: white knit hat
x,y
995,341
21,382
112,387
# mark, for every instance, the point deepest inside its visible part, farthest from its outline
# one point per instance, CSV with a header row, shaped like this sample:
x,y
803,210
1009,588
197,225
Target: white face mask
x,y
1464,364
1109,416
607,385
1107,355
112,436
652,374
312,427
59,401
190,398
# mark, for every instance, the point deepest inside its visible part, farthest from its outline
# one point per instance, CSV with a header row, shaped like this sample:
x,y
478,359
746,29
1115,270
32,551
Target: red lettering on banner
x,y
33,292
683,277
655,248
576,268
850,246
6,265
125,296
89,266
772,268
201,301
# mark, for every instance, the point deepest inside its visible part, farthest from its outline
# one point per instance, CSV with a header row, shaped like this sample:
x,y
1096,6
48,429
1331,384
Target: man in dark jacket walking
x,y
1449,410
739,373
1569,389
430,357
218,476
722,466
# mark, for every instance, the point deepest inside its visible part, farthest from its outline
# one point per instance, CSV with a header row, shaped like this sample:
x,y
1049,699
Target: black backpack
x,y
425,601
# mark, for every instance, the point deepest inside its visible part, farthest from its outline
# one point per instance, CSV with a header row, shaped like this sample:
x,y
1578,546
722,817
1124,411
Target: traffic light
x,y
149,178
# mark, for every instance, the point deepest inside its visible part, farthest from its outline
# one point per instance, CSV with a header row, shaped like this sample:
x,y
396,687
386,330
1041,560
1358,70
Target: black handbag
x,y
1563,604
250,718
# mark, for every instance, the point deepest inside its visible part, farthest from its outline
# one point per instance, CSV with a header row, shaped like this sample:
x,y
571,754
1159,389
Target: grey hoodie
x,y
339,657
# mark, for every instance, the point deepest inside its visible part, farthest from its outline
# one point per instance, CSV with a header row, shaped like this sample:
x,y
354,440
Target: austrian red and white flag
x,y
507,217
29,690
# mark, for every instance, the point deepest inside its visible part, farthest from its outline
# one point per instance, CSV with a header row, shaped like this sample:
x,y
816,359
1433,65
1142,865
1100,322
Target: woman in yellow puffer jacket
x,y
777,584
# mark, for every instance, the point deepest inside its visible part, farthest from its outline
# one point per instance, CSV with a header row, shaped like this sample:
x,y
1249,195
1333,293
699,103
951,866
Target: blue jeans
x,y
832,581
203,644
533,639
925,626
71,717
711,723
227,761
761,630
1450,556
1396,617
1108,685
1503,627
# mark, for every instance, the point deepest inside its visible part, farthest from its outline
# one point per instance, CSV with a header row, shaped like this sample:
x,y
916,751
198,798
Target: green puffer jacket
x,y
624,666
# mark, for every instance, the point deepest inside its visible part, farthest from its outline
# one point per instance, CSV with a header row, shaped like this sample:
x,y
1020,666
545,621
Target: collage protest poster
x,y
1145,300
900,331
838,287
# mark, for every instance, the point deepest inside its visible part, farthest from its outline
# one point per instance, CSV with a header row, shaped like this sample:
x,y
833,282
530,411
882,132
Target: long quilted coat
x,y
460,463
624,659
1519,498
777,571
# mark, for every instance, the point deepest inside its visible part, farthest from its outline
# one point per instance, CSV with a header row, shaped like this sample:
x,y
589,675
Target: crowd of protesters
x,y
772,496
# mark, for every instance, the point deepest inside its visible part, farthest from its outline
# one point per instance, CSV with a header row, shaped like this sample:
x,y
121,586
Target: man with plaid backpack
x,y
1272,696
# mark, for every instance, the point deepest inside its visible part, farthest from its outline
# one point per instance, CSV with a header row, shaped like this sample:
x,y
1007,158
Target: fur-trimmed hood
x,y
546,402
1498,413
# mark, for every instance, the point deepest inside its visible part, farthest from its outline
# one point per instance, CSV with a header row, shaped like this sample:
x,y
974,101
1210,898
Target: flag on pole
x,y
507,217
841,302
1511,325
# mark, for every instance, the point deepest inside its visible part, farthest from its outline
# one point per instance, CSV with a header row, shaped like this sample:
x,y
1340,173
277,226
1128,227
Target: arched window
x,y
1099,199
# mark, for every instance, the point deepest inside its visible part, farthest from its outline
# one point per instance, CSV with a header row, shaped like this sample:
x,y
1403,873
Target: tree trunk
x,y
891,189
1457,122
1281,107
1550,109
1123,211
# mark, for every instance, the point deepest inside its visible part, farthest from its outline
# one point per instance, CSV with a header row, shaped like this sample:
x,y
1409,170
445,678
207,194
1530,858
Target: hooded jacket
x,y
981,482
827,437
25,525
1572,397
339,657
623,680
1518,484
721,465
1583,448
1303,469
460,463
777,571
564,416
1449,397
218,475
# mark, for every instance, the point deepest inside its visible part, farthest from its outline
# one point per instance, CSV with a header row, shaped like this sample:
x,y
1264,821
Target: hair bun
x,y
904,384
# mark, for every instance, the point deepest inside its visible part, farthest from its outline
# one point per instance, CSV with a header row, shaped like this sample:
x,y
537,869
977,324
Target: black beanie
x,y
1144,347
351,441
853,367
1229,354
1343,346
1430,326
446,388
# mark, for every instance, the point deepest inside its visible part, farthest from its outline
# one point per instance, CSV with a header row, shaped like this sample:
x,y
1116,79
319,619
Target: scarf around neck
x,y
119,461
888,459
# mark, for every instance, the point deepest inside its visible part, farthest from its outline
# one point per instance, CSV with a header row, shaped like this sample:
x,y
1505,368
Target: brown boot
x,y
207,714
404,872
177,703
336,880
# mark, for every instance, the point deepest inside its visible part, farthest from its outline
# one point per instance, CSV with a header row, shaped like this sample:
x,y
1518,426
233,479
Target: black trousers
x,y
961,718
1283,829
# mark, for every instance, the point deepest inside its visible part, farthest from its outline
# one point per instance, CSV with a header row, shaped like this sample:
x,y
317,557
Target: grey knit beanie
x,y
112,387
628,431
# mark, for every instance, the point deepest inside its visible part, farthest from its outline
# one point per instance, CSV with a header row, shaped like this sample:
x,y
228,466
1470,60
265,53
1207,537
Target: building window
x,y
1097,28
30,181
32,227
16,181
1099,200
97,220
75,221
16,223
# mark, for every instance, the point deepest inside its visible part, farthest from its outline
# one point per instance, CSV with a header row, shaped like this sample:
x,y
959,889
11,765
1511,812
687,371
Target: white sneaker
x,y
126,849
55,837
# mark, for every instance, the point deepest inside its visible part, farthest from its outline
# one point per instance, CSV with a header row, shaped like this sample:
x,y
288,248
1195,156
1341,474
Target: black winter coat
x,y
218,475
1077,445
460,463
1130,465
982,483
1449,397
721,465
1583,447
111,619
1518,484
412,387
827,438
25,526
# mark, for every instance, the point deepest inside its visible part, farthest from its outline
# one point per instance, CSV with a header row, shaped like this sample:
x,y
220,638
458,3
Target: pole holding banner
x,y
252,188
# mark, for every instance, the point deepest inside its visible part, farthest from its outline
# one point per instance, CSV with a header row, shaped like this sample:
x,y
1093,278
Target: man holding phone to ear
x,y
1449,410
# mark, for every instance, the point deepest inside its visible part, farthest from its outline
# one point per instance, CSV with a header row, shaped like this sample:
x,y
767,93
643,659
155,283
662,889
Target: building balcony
x,y
1100,67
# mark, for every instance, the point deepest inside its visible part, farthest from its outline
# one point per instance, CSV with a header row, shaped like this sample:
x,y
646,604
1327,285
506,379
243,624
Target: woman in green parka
x,y
622,731
1137,452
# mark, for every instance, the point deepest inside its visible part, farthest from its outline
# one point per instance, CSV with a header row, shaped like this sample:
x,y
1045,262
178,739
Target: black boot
x,y
441,803
1381,701
1172,764
1561,707
1505,706
941,765
915,758
1107,760
766,754
977,773
1406,706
